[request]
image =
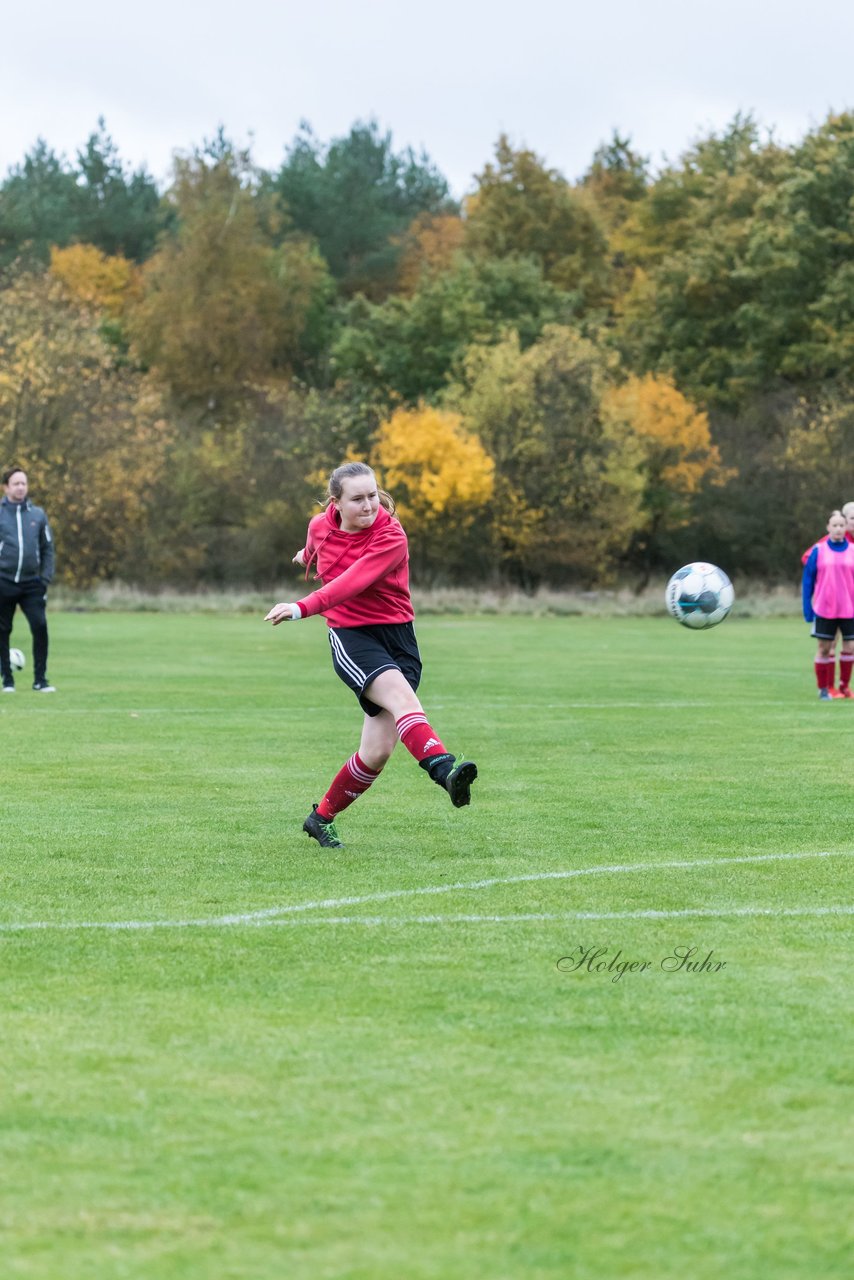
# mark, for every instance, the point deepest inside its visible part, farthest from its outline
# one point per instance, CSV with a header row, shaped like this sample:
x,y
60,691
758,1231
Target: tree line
x,y
562,382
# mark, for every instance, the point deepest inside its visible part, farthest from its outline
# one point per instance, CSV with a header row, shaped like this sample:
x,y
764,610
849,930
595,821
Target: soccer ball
x,y
699,595
17,659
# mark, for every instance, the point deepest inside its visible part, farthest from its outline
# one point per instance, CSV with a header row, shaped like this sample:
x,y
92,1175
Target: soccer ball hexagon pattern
x,y
699,595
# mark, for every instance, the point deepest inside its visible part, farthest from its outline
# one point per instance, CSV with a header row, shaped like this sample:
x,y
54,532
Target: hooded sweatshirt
x,y
365,575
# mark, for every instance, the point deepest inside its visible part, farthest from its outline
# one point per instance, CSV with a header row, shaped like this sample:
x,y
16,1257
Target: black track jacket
x,y
26,545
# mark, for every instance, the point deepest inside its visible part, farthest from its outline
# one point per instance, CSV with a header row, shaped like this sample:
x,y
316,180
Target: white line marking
x,y
716,913
273,915
617,705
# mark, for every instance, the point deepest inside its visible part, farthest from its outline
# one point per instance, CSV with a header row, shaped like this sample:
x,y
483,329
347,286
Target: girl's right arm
x,y
288,611
808,584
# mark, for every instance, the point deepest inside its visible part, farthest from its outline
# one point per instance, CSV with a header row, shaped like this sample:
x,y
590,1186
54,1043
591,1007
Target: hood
x,y
326,527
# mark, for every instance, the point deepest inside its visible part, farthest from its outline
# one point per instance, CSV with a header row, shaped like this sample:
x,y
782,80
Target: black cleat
x,y
322,831
458,782
455,776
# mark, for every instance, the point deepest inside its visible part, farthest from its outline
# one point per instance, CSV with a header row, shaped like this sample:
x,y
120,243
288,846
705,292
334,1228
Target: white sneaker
x,y
8,688
43,687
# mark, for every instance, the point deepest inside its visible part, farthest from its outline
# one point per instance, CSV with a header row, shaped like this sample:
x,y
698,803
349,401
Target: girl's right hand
x,y
299,558
280,613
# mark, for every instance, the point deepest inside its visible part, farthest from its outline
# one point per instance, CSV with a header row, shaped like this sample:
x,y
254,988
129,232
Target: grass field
x,y
228,1054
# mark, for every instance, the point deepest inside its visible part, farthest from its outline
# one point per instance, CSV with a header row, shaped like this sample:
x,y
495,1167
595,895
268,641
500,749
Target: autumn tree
x,y
111,283
745,285
798,326
791,452
521,207
428,248
568,489
819,440
615,188
92,433
222,307
618,180
676,454
441,477
239,500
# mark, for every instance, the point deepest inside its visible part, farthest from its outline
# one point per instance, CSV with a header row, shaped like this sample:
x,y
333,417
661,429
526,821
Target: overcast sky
x,y
446,77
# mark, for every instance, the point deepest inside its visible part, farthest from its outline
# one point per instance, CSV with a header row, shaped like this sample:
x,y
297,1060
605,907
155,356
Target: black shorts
x,y
826,628
359,654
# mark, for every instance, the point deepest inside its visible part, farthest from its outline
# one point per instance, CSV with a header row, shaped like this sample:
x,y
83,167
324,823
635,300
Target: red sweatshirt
x,y
365,575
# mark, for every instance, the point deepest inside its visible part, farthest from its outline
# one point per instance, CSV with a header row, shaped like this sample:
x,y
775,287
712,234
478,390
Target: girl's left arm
x,y
283,613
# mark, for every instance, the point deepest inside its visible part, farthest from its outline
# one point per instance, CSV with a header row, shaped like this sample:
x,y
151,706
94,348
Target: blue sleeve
x,y
808,584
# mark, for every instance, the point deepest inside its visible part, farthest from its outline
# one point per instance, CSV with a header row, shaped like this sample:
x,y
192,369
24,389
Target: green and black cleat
x,y
456,776
321,830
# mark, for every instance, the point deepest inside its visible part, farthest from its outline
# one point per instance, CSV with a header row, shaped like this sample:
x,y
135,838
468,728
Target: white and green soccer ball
x,y
17,659
699,595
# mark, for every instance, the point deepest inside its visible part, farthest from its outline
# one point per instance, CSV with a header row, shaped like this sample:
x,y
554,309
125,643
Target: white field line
x,y
588,705
279,915
703,912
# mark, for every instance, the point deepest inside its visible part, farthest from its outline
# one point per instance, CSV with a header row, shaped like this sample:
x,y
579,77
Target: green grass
x,y
418,1091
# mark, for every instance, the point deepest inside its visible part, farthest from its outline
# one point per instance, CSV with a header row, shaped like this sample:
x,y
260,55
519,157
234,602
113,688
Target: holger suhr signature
x,y
608,962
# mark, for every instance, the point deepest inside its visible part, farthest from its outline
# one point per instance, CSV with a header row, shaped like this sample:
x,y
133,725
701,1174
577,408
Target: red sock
x,y
417,736
846,662
824,672
348,784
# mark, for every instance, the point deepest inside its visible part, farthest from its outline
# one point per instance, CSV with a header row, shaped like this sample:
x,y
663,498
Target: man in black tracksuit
x,y
26,567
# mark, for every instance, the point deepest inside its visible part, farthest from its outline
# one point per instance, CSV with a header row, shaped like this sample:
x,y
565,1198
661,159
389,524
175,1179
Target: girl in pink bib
x,y
828,602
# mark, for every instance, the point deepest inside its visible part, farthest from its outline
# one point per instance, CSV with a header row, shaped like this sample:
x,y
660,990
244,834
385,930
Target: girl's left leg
x,y
846,663
824,667
379,739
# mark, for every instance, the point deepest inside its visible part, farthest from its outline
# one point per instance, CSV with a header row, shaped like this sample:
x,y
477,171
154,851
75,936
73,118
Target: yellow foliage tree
x,y
440,475
109,282
676,449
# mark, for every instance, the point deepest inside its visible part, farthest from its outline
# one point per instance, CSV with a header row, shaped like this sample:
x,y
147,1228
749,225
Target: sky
x,y
445,78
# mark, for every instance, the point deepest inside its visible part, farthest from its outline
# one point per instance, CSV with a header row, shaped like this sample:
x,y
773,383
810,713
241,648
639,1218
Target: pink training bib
x,y
833,594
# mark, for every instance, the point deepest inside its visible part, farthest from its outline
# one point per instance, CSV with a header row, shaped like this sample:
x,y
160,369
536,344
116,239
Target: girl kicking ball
x,y
361,556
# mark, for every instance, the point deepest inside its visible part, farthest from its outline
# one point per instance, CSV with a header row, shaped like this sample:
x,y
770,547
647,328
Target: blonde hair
x,y
335,484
